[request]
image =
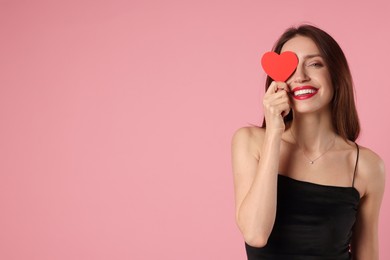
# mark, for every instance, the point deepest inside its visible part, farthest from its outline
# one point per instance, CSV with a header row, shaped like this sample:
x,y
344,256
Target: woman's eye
x,y
315,64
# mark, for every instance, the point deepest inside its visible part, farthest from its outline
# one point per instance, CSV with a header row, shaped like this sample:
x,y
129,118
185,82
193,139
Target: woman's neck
x,y
312,132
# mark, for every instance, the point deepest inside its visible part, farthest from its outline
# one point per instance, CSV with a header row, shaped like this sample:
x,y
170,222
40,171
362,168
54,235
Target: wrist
x,y
274,132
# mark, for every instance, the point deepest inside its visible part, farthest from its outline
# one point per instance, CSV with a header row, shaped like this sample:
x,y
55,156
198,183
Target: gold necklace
x,y
303,151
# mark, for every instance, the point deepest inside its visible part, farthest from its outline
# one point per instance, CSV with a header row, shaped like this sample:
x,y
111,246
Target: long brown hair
x,y
344,115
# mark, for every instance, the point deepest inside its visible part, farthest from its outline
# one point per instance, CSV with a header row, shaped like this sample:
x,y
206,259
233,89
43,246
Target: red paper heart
x,y
279,67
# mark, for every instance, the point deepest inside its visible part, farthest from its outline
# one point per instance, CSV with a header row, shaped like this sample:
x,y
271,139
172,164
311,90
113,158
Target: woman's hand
x,y
276,105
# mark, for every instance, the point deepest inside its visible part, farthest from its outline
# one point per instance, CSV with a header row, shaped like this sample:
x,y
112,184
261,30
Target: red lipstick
x,y
304,92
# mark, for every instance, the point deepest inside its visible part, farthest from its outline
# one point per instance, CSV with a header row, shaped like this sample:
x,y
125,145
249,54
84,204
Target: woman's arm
x,y
256,169
255,185
371,173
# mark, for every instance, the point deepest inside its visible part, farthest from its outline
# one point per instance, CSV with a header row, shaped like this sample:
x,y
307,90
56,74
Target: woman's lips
x,y
304,92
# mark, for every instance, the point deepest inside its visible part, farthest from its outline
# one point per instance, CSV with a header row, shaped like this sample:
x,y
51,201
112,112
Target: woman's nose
x,y
300,75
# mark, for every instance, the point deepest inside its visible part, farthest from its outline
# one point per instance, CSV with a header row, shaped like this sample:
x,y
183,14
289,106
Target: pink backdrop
x,y
117,116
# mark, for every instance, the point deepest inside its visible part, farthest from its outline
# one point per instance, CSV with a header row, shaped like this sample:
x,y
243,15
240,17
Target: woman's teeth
x,y
304,92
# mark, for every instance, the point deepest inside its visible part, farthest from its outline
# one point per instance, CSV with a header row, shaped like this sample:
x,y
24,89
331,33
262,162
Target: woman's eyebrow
x,y
309,56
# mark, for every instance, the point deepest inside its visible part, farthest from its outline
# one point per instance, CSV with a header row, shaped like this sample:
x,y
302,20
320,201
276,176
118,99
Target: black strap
x,y
357,159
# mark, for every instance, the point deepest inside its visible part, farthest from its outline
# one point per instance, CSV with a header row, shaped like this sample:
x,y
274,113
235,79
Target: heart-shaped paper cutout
x,y
279,67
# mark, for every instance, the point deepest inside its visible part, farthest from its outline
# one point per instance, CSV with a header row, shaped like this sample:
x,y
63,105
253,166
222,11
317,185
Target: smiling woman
x,y
311,79
303,188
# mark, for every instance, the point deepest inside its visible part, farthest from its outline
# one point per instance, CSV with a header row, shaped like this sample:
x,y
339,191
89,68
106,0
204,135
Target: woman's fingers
x,y
275,86
276,104
272,101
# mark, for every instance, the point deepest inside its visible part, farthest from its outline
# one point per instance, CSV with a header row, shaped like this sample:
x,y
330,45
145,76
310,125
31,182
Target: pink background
x,y
117,116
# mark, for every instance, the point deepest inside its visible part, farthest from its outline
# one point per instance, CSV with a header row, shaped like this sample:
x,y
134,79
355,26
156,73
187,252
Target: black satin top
x,y
313,222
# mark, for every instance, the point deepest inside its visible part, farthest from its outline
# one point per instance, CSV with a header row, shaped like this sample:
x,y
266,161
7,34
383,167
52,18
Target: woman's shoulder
x,y
371,168
249,134
369,160
249,138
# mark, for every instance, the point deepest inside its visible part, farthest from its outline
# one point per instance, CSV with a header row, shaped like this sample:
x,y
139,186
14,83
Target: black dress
x,y
312,221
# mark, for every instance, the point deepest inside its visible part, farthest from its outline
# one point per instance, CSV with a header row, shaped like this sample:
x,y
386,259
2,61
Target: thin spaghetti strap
x,y
357,159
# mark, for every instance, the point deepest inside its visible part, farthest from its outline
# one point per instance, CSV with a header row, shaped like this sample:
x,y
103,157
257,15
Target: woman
x,y
303,188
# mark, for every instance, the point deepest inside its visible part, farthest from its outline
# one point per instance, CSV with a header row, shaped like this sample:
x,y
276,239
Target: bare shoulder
x,y
249,138
371,170
249,132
